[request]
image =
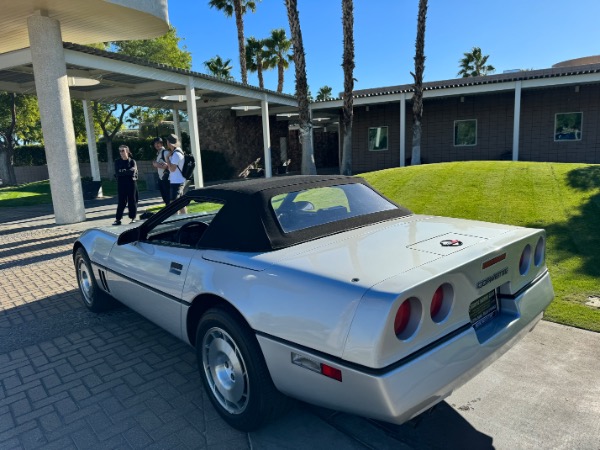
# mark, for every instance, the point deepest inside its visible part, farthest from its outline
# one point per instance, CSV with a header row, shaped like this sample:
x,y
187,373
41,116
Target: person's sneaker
x,y
117,222
132,221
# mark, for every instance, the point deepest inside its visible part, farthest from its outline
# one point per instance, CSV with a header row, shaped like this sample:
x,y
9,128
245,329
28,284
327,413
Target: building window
x,y
378,139
465,132
567,126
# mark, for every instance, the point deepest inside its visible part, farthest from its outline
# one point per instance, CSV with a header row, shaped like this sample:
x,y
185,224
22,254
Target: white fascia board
x,y
225,88
15,58
470,90
122,67
560,81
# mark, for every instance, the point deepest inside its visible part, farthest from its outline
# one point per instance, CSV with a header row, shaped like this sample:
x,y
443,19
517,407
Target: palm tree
x,y
237,8
255,53
219,68
277,54
324,93
417,99
348,66
305,132
474,64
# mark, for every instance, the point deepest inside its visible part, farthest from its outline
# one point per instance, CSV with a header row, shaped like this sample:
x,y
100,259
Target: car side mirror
x,y
129,236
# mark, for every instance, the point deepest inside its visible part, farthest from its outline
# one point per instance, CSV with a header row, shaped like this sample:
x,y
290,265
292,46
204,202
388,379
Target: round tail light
x,y
436,302
441,303
540,250
408,318
402,318
525,260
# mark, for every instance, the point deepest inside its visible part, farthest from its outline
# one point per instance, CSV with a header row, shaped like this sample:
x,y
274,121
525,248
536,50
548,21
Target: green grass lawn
x,y
39,193
562,198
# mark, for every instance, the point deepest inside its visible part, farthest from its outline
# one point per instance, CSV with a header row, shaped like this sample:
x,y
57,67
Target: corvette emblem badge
x,y
451,243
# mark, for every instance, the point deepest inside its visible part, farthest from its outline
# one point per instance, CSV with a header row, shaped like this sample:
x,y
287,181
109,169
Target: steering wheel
x,y
190,233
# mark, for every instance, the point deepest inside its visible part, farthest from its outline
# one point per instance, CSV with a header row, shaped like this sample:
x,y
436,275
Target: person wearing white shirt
x,y
175,160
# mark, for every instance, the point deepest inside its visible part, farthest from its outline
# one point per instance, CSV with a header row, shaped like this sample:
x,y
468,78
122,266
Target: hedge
x,y
214,165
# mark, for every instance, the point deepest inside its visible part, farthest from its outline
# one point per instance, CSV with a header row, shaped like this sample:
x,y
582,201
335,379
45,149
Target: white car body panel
x,y
334,299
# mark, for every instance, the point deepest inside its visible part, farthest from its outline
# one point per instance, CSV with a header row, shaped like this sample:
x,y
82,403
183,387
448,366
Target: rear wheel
x,y
93,297
234,372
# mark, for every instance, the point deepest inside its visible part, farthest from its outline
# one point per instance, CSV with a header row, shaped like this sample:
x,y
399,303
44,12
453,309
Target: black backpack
x,y
189,164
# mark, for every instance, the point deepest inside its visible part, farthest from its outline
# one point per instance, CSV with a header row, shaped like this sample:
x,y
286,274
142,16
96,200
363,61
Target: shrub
x,y
214,164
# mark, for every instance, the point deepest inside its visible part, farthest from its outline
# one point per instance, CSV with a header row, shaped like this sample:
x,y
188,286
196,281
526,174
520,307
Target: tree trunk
x,y
109,157
7,151
305,132
418,86
7,170
346,166
308,159
280,75
348,66
416,144
239,21
259,63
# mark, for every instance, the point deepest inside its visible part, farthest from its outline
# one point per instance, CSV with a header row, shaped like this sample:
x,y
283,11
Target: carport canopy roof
x,y
133,81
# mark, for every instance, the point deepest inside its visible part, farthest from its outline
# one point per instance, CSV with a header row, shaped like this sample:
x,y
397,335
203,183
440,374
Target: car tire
x,y
234,372
93,297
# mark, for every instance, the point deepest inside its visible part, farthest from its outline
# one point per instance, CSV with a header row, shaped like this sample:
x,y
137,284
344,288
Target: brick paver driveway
x,y
74,379
71,379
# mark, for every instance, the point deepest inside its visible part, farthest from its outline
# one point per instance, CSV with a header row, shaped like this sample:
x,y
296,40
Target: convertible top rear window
x,y
316,206
263,215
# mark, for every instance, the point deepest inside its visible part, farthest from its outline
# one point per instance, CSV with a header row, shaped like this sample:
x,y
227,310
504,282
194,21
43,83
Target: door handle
x,y
176,268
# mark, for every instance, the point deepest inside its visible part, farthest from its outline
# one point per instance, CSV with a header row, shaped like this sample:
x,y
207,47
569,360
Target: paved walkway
x,y
71,379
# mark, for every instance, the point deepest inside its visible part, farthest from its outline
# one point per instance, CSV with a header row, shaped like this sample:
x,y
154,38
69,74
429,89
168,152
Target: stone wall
x,y
240,139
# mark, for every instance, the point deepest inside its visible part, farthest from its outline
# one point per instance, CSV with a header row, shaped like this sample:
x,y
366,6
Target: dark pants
x,y
165,190
176,191
128,195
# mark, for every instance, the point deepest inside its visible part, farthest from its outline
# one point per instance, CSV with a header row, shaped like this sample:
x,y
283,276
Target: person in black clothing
x,y
127,174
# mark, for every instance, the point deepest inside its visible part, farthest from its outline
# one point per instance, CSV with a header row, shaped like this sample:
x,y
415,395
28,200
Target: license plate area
x,y
483,309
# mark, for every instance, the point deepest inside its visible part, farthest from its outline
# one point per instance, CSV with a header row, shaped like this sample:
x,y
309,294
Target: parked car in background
x,y
321,289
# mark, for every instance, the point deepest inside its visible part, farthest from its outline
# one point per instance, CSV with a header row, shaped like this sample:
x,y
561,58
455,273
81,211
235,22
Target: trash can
x,y
152,181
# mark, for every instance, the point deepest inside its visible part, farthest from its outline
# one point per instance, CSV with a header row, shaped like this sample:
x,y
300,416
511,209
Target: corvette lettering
x,y
491,278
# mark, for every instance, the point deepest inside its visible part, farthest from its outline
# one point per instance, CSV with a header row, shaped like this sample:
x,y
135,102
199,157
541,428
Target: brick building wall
x,y
494,114
538,109
379,115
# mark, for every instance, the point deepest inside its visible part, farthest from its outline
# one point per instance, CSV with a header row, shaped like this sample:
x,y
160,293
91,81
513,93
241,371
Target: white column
x,y
402,129
91,141
517,121
177,130
266,129
190,94
54,101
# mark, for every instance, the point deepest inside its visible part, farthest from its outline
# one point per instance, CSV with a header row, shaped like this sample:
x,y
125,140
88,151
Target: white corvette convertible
x,y
321,289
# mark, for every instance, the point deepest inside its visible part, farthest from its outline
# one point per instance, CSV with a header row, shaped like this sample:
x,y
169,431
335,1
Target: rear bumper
x,y
398,394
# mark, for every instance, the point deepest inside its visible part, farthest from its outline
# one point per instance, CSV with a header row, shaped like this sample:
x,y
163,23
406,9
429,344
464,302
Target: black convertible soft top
x,y
247,221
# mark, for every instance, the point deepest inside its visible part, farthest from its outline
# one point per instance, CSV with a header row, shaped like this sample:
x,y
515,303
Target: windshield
x,y
312,207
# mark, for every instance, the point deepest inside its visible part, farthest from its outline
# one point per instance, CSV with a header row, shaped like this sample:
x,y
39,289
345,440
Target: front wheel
x,y
94,298
234,372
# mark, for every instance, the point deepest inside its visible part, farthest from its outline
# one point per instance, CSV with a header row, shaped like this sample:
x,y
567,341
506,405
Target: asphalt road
x,y
73,379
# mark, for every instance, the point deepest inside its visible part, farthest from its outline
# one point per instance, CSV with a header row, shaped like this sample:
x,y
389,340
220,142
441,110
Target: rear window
x,y
312,207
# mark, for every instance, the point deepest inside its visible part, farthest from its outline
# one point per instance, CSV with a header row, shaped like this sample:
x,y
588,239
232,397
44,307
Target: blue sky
x,y
526,34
